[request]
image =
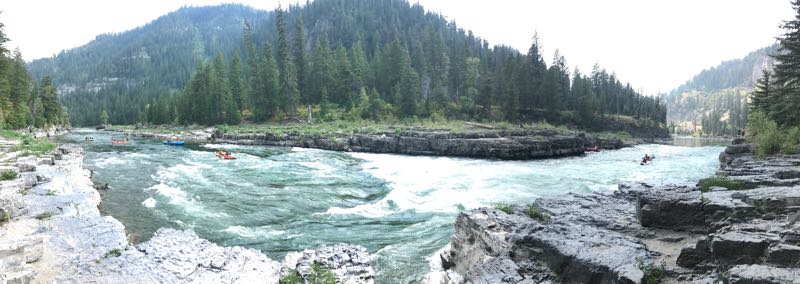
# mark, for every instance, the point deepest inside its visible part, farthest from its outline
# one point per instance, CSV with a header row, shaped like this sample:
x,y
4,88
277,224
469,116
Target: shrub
x,y
318,275
535,213
5,217
653,274
706,184
292,278
503,207
8,175
764,133
113,253
792,141
43,216
321,275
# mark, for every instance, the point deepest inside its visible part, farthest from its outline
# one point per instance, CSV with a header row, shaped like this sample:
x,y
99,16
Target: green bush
x,y
792,141
653,274
321,275
503,207
113,253
292,278
8,175
765,134
318,275
706,184
43,216
535,213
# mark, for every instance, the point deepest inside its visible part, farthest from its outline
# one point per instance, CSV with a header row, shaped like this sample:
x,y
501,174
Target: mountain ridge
x,y
714,101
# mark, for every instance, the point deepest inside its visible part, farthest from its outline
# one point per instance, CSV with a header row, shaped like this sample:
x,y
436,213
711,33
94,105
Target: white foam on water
x,y
429,184
109,161
224,146
134,155
254,233
149,203
440,184
175,195
436,275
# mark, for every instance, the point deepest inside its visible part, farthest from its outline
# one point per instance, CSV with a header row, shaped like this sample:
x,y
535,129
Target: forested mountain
x,y
123,72
714,102
22,103
348,59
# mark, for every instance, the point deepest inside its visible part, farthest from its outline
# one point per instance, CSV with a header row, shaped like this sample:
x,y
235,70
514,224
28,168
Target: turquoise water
x,y
401,208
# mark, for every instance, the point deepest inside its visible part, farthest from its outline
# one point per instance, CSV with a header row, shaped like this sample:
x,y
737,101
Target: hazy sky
x,y
655,45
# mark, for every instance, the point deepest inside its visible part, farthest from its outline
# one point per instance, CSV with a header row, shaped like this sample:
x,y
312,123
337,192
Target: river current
x,y
401,208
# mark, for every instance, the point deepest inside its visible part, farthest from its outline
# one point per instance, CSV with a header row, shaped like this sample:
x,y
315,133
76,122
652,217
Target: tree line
x,y
24,103
421,77
348,59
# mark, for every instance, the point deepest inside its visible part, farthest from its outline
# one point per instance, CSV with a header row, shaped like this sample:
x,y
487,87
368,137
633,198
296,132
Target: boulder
x,y
785,255
741,247
350,263
762,274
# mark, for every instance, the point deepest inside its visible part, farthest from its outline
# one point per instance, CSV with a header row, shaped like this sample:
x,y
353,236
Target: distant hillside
x,y
132,68
714,102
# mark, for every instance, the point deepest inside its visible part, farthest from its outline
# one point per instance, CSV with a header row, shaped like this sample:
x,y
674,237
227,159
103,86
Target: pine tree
x,y
20,87
236,82
408,92
300,60
784,109
104,117
288,74
762,96
360,64
346,88
50,104
321,71
265,95
535,69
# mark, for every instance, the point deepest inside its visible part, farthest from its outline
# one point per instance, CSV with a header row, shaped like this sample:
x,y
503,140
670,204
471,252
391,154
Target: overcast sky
x,y
653,44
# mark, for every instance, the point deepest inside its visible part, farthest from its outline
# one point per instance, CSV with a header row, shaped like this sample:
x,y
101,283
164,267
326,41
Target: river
x,y
401,208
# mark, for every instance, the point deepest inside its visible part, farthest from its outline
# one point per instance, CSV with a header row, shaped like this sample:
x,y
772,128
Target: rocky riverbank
x,y
52,231
519,144
641,233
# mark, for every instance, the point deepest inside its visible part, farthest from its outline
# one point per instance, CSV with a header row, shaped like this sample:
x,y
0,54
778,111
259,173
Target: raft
x,y
173,143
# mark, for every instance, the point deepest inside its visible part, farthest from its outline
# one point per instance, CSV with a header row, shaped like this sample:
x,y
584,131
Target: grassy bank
x,y
28,144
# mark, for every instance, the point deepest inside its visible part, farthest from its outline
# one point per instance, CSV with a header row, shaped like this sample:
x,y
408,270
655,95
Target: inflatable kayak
x,y
173,143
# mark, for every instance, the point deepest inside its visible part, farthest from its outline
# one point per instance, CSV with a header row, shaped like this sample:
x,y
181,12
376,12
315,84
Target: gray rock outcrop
x,y
54,232
733,236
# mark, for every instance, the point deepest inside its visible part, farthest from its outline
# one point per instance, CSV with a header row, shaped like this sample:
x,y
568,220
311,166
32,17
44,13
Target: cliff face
x,y
736,236
54,232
